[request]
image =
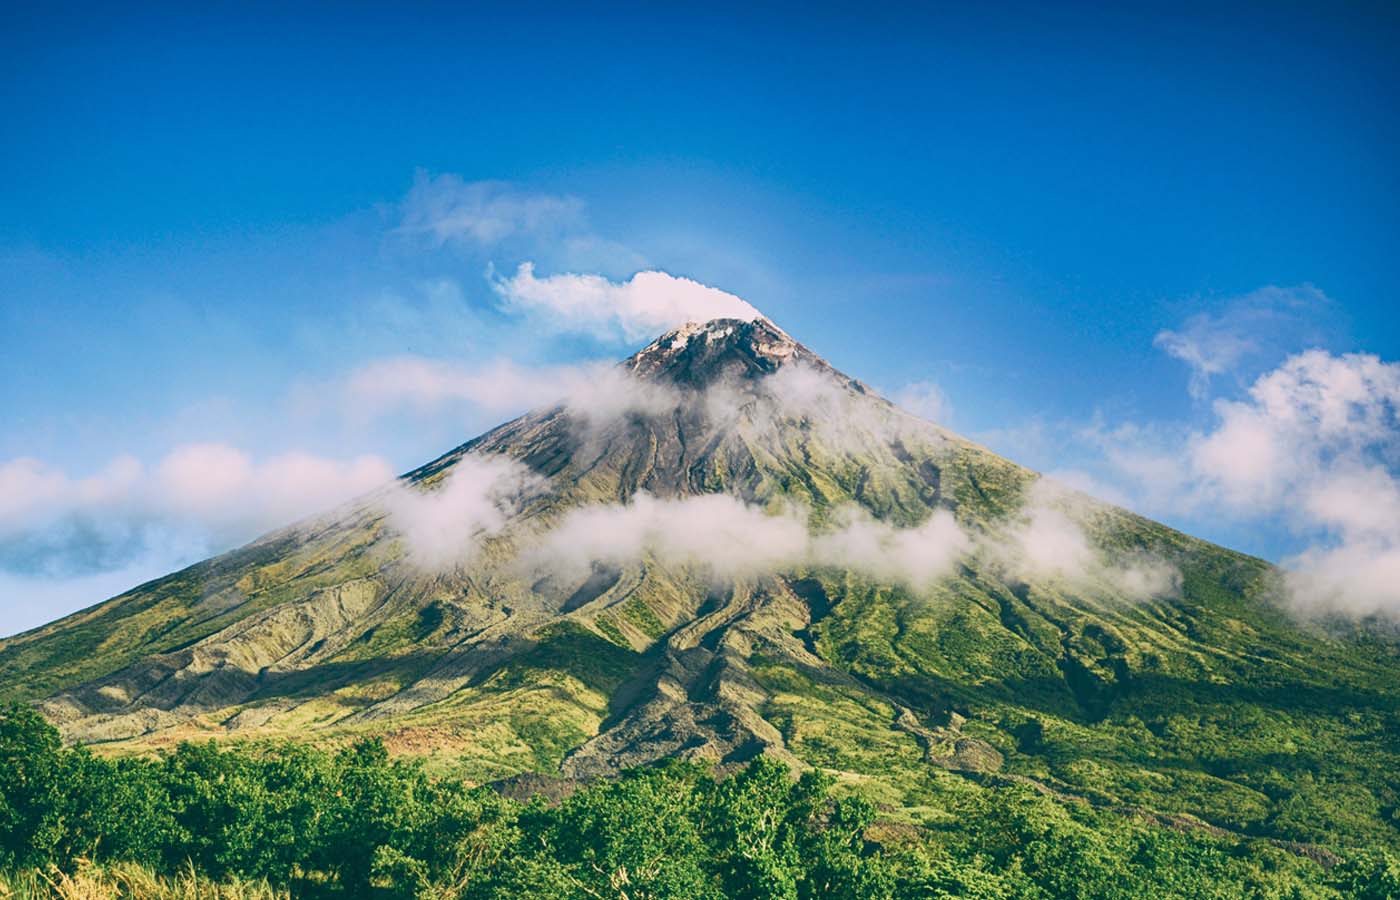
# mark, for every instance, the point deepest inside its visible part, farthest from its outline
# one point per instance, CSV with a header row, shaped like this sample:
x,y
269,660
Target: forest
x,y
287,819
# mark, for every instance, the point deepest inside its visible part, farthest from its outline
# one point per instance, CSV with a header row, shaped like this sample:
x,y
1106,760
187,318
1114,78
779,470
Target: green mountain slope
x,y
1201,705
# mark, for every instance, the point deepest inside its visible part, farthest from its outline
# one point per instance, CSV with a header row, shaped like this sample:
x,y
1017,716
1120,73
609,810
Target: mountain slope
x,y
1194,695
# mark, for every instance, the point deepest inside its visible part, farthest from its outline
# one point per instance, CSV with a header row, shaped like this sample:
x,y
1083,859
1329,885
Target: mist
x,y
444,526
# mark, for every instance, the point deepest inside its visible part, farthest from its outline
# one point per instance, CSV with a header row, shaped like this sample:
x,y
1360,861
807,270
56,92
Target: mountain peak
x,y
700,353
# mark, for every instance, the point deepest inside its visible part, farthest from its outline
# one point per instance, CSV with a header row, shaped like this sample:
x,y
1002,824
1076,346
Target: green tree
x,y
755,820
637,838
31,788
1369,875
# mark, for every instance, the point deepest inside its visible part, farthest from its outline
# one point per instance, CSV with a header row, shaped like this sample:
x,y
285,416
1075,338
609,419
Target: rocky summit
x,y
723,547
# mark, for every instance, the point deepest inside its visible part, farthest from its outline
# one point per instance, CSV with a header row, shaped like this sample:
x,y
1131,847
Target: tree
x,y
31,788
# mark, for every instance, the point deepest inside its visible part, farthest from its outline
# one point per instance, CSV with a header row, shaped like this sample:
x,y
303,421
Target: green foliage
x,y
1215,706
1370,875
356,823
31,807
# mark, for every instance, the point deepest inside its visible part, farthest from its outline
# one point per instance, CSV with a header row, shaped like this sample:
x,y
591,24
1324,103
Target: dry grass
x,y
127,882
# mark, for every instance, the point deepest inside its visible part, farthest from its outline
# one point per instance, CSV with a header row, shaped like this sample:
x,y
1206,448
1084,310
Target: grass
x,y
128,881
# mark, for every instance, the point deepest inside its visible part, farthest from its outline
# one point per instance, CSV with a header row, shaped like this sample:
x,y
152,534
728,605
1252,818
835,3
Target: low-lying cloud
x,y
728,539
443,526
845,421
715,532
217,488
60,535
917,556
1050,542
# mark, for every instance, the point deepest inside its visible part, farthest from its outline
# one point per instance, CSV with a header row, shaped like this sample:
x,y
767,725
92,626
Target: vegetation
x,y
1246,721
982,736
254,821
129,881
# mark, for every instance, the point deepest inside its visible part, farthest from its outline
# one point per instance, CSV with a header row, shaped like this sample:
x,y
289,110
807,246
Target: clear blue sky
x,y
200,213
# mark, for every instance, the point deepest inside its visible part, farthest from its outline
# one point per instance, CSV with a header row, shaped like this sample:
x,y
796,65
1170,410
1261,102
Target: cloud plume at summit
x,y
646,304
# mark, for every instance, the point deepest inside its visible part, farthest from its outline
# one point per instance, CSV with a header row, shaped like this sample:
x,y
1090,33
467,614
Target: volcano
x,y
725,547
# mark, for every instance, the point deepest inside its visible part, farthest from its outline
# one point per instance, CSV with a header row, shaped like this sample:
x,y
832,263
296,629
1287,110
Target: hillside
x,y
950,624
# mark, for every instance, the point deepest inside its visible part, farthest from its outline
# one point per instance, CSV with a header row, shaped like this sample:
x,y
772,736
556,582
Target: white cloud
x,y
1313,444
1355,577
427,385
845,420
34,495
1049,542
1315,418
728,539
917,556
1148,466
925,400
50,521
1213,344
443,526
594,391
645,305
714,532
1358,571
1206,348
1317,441
447,209
224,488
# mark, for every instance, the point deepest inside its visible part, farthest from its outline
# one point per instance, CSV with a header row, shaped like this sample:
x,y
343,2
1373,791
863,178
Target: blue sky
x,y
204,230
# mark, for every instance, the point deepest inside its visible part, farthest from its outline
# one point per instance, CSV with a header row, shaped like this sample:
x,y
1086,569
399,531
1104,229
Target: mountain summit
x,y
700,353
724,547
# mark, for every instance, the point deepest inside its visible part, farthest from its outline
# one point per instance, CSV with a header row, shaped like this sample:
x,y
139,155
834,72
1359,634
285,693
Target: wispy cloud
x,y
443,526
718,533
727,538
918,556
505,223
447,209
595,391
1263,321
925,400
213,494
1049,541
